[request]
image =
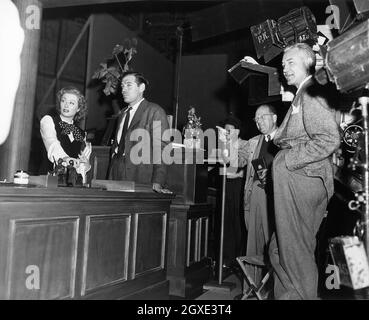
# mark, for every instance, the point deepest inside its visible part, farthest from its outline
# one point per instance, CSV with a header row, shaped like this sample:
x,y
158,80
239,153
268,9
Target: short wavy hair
x,y
308,52
82,105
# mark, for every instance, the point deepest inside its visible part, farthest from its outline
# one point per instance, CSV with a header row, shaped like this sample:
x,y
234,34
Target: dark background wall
x,y
106,32
217,39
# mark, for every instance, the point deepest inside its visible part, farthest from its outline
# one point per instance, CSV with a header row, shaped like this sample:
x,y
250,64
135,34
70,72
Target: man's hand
x,y
158,188
222,134
262,175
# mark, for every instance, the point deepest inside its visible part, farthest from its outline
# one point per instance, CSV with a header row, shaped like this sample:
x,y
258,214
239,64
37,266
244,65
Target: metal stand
x,y
178,72
220,285
364,101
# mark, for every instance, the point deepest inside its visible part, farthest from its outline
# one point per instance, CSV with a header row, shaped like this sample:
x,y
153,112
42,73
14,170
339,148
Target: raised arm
x,y
51,142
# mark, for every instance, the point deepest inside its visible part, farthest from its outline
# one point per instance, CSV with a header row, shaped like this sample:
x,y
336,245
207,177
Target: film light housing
x,y
271,37
347,59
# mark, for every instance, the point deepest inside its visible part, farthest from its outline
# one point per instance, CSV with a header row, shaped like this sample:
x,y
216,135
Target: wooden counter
x,y
74,243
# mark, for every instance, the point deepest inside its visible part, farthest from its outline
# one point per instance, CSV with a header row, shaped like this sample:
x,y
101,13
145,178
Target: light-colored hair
x,y
309,54
270,108
81,102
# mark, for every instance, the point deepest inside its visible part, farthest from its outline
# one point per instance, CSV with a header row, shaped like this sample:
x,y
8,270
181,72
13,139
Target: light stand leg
x,y
365,216
220,278
178,72
212,285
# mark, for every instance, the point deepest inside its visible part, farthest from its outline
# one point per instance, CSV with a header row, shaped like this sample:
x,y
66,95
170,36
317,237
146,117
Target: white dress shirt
x,y
295,109
131,115
271,135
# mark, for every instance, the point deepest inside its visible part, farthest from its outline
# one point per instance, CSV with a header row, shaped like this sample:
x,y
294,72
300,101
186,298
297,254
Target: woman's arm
x,y
51,142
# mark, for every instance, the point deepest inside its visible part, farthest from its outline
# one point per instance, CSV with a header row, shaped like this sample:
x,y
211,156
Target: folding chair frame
x,y
253,287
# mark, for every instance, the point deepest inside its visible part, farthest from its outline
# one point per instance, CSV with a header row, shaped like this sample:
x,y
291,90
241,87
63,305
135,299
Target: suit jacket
x,y
312,137
144,144
248,151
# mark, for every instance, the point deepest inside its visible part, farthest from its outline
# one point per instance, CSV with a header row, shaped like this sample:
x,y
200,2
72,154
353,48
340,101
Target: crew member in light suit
x,y
302,178
258,190
140,119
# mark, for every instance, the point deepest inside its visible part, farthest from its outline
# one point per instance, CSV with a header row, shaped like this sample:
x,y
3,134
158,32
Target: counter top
x,y
10,192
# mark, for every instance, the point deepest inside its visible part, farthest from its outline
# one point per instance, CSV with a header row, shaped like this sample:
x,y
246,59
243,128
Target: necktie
x,y
268,138
124,131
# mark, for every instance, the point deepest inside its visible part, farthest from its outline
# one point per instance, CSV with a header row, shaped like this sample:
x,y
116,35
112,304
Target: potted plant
x,y
110,72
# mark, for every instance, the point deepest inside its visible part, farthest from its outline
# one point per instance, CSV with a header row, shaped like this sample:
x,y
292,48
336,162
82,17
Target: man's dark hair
x,y
233,121
139,77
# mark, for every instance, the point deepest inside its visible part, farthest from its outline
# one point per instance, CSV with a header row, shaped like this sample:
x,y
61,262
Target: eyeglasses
x,y
256,119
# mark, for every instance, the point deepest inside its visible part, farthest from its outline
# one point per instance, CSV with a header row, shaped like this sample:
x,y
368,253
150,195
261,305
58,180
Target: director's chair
x,y
255,262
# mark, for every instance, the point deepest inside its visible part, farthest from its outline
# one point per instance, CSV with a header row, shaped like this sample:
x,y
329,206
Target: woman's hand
x,y
75,161
86,152
158,188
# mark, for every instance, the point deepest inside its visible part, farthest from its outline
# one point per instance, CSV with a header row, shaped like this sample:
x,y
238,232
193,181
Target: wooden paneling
x,y
48,247
149,242
105,251
188,262
192,241
203,238
197,239
172,245
188,177
100,158
79,243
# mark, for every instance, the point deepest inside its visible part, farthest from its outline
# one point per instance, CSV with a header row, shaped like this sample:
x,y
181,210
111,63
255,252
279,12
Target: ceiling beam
x,y
70,3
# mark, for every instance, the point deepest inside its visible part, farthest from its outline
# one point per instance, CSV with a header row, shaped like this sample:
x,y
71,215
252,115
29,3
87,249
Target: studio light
x,y
347,58
271,37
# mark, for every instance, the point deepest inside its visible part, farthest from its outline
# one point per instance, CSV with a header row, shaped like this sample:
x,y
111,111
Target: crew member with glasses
x,y
258,153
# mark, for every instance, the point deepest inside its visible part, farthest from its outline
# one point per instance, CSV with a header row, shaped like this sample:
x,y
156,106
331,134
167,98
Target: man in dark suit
x,y
137,150
302,178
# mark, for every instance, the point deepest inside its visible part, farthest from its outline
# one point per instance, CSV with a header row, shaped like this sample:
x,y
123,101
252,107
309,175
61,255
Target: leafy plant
x,y
111,71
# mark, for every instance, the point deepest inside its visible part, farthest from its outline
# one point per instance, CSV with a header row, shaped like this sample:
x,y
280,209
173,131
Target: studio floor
x,y
343,293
